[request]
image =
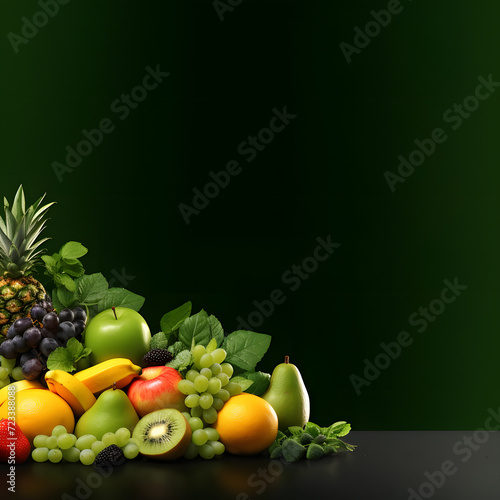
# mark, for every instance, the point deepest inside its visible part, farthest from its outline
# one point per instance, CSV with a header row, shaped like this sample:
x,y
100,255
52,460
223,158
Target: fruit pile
x,y
92,385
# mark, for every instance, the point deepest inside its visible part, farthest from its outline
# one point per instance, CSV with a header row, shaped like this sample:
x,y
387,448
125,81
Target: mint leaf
x,y
260,381
292,451
295,430
243,382
72,250
195,327
66,281
75,270
216,330
181,361
66,298
56,302
172,320
61,359
313,429
159,341
50,264
91,289
119,297
338,429
245,349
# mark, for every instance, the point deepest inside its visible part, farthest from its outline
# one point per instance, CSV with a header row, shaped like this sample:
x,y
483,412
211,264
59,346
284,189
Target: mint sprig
x,y
62,267
65,358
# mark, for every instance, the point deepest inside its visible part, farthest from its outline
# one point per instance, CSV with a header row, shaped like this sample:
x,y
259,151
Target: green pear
x,y
110,412
287,394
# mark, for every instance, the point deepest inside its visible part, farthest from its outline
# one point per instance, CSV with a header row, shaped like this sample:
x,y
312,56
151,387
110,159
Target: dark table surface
x,y
386,465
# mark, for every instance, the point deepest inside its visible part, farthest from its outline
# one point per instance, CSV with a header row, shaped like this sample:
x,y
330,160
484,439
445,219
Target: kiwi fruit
x,y
163,434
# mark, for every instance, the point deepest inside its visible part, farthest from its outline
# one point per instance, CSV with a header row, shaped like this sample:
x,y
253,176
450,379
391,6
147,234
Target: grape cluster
x,y
33,338
207,389
61,445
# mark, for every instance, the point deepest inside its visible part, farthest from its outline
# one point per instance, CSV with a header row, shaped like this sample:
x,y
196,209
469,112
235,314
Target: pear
x,y
287,394
110,412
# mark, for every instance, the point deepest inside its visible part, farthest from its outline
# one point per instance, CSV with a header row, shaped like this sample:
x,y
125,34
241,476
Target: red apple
x,y
155,389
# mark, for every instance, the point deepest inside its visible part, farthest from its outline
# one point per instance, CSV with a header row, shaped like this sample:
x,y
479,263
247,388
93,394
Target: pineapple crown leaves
x,y
19,232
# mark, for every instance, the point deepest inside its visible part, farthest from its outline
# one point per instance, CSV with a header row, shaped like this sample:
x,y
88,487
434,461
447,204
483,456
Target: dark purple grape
x,y
32,369
79,326
66,315
32,336
51,322
68,328
7,349
38,312
22,324
48,334
48,345
20,344
80,314
11,332
47,305
27,355
62,337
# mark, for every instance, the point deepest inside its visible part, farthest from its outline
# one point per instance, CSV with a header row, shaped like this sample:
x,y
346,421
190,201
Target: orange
x,y
247,424
38,411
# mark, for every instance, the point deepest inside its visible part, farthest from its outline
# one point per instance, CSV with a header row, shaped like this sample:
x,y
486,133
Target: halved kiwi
x,y
163,434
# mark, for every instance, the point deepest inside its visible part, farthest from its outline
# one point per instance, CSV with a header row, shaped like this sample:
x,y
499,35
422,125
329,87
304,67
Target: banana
x,y
117,371
20,385
74,392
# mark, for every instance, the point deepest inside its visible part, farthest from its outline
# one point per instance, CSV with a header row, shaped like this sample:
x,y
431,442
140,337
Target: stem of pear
x,y
114,312
287,359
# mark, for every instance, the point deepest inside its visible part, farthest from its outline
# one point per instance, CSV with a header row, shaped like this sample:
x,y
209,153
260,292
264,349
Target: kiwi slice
x,y
163,434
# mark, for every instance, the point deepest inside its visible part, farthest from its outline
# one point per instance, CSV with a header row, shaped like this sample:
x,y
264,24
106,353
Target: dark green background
x,y
323,175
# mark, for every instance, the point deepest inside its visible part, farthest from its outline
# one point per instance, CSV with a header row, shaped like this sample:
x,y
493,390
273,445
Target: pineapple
x,y
19,254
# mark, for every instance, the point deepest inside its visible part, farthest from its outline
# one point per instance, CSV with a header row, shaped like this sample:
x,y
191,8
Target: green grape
x,y
85,442
218,447
210,415
66,441
192,400
191,375
197,411
5,382
223,394
109,438
58,430
212,434
195,423
224,379
233,388
206,400
40,441
4,373
206,360
206,452
8,363
198,352
218,404
201,383
215,369
130,450
40,454
71,454
187,415
186,387
214,385
206,372
191,452
228,369
97,446
199,437
55,455
219,355
87,457
122,436
17,373
51,442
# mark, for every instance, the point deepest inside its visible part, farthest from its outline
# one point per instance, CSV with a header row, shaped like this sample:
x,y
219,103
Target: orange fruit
x,y
38,411
247,424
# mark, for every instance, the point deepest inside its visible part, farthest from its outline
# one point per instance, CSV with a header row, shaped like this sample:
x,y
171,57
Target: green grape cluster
x,y
61,445
9,369
204,441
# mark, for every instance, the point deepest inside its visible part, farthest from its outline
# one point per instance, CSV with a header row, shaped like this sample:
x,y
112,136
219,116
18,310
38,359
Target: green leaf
x,y
315,451
65,281
72,250
195,327
56,302
50,264
212,345
305,438
76,349
61,359
245,349
172,320
176,348
216,330
313,429
119,297
91,289
75,270
159,341
181,361
338,429
295,430
277,452
292,451
66,298
260,381
243,382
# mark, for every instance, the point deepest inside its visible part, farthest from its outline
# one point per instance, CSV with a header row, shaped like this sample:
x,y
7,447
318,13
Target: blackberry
x,y
111,455
157,357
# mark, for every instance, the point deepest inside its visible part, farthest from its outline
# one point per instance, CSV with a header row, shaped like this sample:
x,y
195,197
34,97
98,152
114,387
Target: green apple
x,y
118,332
